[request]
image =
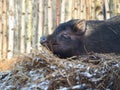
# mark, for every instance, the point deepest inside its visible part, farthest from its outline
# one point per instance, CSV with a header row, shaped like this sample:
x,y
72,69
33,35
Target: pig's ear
x,y
80,26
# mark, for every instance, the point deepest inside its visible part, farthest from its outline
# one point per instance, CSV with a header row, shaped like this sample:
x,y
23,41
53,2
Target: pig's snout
x,y
43,39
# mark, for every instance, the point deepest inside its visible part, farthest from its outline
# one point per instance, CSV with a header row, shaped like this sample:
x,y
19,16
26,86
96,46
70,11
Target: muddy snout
x,y
43,39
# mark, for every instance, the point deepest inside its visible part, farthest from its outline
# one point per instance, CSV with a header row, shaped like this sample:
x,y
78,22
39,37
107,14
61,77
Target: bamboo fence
x,y
23,22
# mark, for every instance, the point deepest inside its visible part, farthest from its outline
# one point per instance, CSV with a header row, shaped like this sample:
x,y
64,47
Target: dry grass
x,y
42,70
6,65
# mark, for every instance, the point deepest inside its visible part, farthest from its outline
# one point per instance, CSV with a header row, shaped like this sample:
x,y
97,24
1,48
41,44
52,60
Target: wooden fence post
x,y
40,22
92,9
63,2
58,4
5,31
23,25
107,6
29,27
35,21
1,31
75,9
69,10
17,32
50,17
45,11
11,29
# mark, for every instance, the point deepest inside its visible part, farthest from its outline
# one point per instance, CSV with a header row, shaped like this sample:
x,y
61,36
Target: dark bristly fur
x,y
77,37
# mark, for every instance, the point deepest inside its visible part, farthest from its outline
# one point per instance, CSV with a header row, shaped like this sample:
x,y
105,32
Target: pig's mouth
x,y
50,46
58,49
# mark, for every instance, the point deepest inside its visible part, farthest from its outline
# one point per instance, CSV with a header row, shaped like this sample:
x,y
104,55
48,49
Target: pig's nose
x,y
43,39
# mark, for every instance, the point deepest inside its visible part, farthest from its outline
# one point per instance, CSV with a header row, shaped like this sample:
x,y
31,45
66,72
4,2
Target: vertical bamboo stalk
x,y
115,3
29,30
16,27
23,24
5,35
35,25
79,8
93,9
118,7
77,4
17,5
40,17
11,29
111,8
87,9
1,28
90,4
54,13
19,15
62,19
75,9
57,12
50,24
70,9
41,21
83,5
107,3
45,31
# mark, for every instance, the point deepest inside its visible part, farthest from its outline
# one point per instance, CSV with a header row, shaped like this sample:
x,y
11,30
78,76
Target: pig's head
x,y
67,39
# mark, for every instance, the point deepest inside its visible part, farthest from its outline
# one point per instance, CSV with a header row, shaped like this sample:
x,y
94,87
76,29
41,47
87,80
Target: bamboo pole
x,y
23,24
70,10
77,4
93,9
17,10
87,9
16,26
40,26
90,5
75,10
5,35
111,8
29,27
11,29
117,7
83,5
50,23
58,12
1,31
19,4
79,8
35,25
62,19
107,3
40,22
115,1
45,11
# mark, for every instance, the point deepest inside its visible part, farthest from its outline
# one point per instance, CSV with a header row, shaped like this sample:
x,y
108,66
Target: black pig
x,y
77,37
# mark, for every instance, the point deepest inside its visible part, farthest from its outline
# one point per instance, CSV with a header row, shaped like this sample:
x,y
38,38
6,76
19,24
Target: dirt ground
x,y
41,70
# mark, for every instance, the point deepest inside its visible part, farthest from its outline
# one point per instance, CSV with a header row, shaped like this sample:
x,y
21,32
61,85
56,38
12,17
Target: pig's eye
x,y
66,36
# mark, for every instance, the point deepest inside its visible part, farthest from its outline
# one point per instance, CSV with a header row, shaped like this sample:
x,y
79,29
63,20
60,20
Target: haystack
x,y
41,70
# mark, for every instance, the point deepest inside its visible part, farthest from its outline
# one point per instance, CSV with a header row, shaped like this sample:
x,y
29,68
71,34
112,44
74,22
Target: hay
x,y
41,70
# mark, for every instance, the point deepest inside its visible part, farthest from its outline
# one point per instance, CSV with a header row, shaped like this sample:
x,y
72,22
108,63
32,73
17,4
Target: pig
x,y
76,37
